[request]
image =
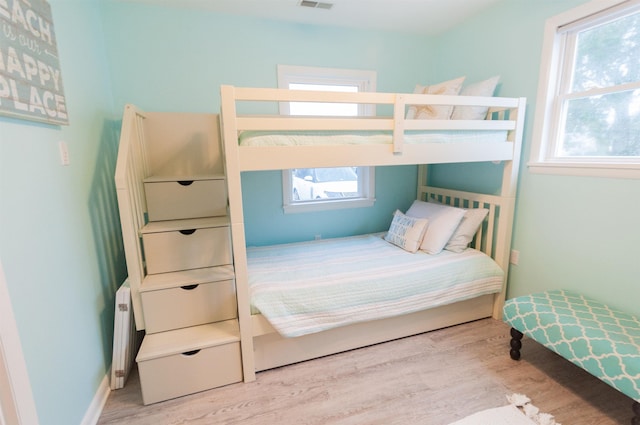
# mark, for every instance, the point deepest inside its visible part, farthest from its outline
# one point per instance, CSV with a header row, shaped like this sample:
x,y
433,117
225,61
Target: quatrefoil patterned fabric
x,y
602,341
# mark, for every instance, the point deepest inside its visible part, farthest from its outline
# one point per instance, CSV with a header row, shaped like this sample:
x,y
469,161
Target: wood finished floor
x,y
433,378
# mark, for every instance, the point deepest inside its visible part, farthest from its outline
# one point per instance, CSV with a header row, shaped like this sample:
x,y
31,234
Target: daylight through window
x,y
589,118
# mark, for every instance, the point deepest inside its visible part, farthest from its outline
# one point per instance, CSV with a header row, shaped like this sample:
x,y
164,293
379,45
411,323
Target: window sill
x,y
585,169
328,205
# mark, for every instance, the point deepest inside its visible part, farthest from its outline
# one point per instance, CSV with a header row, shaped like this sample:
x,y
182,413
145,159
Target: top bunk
x,y
390,137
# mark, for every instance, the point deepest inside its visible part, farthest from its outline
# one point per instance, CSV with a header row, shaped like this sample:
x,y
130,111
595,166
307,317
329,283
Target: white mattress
x,y
264,138
309,287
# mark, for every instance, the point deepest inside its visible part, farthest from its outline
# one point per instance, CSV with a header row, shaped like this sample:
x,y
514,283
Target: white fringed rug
x,y
520,411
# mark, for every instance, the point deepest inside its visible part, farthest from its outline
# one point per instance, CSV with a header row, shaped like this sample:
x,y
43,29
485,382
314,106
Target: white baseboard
x,y
97,404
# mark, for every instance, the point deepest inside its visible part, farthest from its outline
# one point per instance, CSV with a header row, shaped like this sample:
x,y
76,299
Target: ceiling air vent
x,y
316,4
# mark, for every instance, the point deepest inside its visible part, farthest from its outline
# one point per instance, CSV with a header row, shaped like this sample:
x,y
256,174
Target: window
x,y
588,116
315,189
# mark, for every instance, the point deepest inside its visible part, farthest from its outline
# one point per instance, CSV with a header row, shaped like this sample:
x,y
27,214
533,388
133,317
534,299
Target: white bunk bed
x,y
263,347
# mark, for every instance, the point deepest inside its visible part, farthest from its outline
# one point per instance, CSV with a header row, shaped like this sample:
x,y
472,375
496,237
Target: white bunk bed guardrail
x,y
131,170
500,117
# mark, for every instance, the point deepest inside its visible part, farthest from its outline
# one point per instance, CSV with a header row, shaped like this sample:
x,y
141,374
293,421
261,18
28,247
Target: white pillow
x,y
467,228
435,112
483,88
406,232
443,221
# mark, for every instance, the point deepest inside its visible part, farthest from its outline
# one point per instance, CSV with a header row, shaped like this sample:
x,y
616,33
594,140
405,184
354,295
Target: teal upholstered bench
x,y
600,340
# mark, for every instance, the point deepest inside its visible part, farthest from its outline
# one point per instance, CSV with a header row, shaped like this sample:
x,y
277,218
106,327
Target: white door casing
x,y
16,399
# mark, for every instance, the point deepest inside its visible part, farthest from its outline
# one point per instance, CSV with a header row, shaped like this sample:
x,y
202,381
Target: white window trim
x,y
366,81
550,68
368,185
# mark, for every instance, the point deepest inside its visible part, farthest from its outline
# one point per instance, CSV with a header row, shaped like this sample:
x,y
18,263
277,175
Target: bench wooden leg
x,y
636,411
516,345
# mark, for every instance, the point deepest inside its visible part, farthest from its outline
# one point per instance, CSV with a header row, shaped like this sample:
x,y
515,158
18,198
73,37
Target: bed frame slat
x,y
399,123
484,239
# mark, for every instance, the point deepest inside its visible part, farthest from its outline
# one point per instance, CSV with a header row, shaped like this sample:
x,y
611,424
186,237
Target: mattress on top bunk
x,y
308,287
290,138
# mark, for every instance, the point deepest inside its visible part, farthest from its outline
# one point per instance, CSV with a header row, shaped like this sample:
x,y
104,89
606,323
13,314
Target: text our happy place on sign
x,y
30,76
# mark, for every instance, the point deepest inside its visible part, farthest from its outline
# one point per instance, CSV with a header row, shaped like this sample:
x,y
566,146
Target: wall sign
x,y
30,77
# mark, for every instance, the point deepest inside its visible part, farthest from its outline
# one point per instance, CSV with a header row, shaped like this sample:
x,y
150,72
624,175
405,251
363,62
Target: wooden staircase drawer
x,y
185,361
187,249
173,200
188,305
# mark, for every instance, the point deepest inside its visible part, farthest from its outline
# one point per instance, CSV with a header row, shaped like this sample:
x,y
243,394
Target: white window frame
x,y
365,81
548,114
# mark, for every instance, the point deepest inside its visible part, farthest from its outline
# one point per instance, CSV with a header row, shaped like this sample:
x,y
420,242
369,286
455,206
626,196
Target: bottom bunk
x,y
316,298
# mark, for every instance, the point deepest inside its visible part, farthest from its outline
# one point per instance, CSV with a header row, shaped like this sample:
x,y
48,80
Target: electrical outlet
x,y
515,257
64,153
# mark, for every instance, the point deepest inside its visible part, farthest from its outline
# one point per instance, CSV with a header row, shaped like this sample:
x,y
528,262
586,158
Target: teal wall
x,y
266,223
171,59
572,232
60,243
60,240
158,66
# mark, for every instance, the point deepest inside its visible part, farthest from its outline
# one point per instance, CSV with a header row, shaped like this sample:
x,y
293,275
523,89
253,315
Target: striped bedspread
x,y
309,287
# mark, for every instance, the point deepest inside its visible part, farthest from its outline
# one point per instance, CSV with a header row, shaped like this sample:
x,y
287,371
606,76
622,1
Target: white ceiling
x,y
413,16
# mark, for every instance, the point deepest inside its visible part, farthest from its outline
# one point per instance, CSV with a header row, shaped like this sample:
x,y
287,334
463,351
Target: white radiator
x,y
125,338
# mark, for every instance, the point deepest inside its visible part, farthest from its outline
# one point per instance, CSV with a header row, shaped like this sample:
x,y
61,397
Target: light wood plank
x,y
432,378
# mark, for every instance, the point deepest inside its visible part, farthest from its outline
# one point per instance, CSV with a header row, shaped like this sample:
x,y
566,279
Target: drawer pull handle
x,y
185,182
191,353
188,231
190,287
